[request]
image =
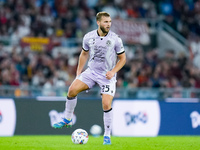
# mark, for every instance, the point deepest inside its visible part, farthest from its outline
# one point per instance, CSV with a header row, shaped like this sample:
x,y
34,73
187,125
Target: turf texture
x,y
61,142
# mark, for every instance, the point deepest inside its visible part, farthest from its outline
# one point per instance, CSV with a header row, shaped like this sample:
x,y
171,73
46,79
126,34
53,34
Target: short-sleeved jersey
x,y
103,50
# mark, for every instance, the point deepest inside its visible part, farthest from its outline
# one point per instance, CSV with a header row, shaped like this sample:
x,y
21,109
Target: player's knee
x,y
106,106
71,92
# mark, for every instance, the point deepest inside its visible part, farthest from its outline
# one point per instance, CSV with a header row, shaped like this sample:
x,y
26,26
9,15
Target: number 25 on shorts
x,y
105,88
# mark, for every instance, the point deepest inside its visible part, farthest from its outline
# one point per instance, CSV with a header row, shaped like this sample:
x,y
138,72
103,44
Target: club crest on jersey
x,y
108,43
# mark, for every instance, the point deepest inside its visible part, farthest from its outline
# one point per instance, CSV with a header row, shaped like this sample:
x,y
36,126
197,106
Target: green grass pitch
x,y
61,142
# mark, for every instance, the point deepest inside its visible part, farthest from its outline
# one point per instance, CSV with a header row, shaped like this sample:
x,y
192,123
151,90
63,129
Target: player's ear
x,y
98,22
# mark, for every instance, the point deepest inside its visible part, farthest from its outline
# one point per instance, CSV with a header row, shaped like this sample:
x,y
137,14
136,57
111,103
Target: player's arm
x,y
119,65
82,61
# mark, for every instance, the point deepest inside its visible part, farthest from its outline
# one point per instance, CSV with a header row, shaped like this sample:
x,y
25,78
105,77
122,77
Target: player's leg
x,y
108,88
83,82
107,117
76,87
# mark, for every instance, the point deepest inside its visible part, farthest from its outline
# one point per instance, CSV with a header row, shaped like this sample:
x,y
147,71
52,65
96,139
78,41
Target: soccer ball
x,y
79,136
96,130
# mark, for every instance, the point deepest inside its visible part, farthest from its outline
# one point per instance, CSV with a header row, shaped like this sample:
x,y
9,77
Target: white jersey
x,y
103,50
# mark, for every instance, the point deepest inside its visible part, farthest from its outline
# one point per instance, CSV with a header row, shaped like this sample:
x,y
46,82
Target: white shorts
x,y
90,78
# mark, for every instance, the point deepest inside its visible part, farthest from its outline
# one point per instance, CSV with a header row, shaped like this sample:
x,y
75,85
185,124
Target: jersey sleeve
x,y
119,48
85,46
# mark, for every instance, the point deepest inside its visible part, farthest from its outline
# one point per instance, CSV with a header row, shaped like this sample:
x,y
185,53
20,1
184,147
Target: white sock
x,y
107,117
70,106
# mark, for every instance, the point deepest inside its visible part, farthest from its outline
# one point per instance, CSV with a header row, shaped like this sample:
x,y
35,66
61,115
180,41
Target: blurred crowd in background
x,y
181,15
72,19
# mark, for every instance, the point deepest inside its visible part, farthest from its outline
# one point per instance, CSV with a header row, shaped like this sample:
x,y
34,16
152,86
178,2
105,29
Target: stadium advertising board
x,y
130,117
180,119
7,117
36,117
36,43
132,32
136,118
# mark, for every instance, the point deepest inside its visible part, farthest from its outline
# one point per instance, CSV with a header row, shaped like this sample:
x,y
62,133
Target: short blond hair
x,y
100,14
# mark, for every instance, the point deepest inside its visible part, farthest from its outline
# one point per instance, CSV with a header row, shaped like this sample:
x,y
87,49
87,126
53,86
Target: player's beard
x,y
104,30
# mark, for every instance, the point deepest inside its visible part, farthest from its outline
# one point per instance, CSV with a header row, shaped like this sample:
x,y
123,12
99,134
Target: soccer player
x,y
106,56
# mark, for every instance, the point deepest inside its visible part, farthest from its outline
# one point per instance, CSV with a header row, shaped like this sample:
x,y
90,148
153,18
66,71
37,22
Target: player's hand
x,y
109,75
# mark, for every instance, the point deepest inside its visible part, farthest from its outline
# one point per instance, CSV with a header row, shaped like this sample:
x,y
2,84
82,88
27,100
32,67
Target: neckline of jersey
x,y
102,36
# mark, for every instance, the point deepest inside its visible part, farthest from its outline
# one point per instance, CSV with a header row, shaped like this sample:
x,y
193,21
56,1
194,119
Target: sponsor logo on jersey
x,y
91,42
